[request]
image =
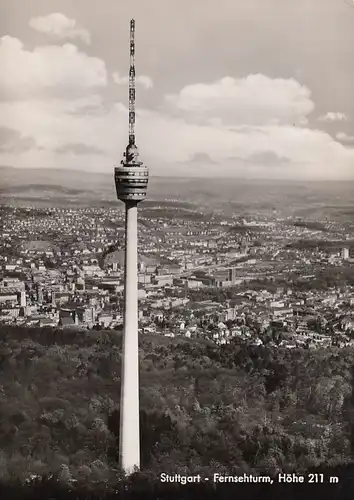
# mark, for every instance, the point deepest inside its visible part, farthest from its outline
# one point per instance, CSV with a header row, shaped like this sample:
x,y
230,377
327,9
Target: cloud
x,y
253,100
79,149
227,128
167,144
56,123
202,158
342,136
12,141
143,80
60,26
59,69
333,117
267,158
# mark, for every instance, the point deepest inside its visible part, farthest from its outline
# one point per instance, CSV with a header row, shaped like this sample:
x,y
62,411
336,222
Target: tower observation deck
x,y
131,177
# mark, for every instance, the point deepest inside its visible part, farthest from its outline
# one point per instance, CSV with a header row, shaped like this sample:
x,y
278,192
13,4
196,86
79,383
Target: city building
x,y
345,253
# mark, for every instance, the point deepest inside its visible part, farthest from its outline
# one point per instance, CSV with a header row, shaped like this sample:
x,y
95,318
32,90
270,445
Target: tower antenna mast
x,y
132,84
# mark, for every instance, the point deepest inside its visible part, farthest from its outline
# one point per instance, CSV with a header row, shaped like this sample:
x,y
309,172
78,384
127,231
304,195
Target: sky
x,y
225,88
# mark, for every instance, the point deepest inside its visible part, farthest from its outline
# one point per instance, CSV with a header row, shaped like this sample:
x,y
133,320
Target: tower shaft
x,y
129,446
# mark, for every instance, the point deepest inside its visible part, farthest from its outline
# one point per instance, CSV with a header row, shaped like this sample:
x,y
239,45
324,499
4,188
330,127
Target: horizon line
x,y
237,178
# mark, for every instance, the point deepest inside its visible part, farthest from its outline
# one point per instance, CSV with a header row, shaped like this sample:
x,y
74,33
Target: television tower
x,y
131,179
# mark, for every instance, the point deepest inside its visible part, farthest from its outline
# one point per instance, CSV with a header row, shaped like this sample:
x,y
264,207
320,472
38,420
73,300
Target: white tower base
x,y
129,437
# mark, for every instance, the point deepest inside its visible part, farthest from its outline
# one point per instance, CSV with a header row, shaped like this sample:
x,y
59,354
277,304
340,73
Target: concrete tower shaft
x,y
129,435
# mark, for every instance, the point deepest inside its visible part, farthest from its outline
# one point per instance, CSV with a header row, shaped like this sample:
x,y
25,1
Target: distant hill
x,y
244,229
313,200
40,189
82,188
314,226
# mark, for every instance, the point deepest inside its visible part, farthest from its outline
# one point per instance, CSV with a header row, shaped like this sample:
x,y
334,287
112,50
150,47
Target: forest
x,y
324,245
323,279
204,409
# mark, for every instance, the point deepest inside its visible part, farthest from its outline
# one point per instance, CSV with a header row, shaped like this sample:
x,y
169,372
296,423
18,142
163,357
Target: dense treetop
x,y
204,408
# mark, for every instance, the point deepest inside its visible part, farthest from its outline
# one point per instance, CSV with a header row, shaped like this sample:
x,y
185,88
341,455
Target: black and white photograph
x,y
176,249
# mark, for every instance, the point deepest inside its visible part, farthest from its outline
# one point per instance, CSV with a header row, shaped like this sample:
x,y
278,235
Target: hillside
x,y
238,408
313,200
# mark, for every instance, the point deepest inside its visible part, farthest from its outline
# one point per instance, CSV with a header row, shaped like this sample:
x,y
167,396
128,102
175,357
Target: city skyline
x,y
246,89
